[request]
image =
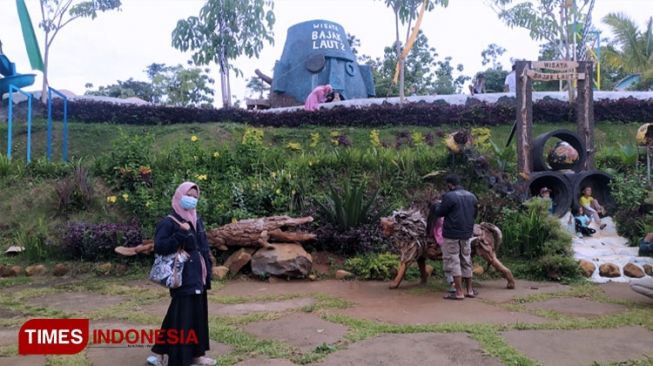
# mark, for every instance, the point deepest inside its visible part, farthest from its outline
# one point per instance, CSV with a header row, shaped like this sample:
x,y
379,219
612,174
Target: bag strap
x,y
180,249
175,220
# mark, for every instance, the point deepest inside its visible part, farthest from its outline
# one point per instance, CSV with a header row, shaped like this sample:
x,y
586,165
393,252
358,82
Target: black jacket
x,y
459,210
168,237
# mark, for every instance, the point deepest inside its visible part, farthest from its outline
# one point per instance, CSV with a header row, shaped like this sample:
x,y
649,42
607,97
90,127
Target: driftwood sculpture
x,y
257,232
408,232
254,233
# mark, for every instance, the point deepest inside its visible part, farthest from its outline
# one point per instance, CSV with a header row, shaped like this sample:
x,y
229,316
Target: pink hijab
x,y
188,215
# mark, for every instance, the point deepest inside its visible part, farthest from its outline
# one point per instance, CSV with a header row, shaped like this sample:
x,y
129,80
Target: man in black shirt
x,y
459,210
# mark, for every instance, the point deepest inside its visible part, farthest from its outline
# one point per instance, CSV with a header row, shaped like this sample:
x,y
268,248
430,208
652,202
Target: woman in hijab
x,y
317,96
188,312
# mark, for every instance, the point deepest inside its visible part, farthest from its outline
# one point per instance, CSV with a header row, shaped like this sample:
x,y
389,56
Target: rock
x,y
341,274
648,269
284,259
609,270
587,267
14,250
478,270
312,277
18,270
60,269
104,268
35,270
7,272
119,269
219,272
632,270
429,270
238,260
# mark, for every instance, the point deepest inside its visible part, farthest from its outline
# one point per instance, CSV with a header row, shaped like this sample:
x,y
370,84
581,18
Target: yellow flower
x,y
310,163
278,191
294,146
417,137
335,133
315,139
375,138
201,176
112,199
216,154
273,174
148,203
233,220
293,192
125,197
194,138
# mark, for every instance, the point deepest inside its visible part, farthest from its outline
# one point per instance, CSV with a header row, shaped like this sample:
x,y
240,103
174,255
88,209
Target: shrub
x,y
381,266
531,233
94,242
424,114
348,208
75,192
360,240
33,236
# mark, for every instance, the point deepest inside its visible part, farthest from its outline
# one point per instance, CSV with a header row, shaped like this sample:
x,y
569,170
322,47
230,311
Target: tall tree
x,y
554,21
56,14
631,50
256,85
169,85
223,31
406,11
424,73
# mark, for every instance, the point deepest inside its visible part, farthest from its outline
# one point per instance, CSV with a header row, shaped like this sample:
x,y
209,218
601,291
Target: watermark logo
x,y
53,336
71,336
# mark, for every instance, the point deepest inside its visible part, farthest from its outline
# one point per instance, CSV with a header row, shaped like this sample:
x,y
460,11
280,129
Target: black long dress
x,y
188,310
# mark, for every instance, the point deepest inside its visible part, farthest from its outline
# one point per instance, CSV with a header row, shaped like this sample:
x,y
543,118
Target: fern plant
x,y
348,208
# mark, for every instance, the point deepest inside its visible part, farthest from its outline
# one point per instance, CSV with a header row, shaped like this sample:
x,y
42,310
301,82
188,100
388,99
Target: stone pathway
x,y
607,247
393,331
582,347
304,331
413,349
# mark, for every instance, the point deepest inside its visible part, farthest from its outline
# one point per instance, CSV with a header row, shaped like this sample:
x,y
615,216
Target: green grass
x,y
89,140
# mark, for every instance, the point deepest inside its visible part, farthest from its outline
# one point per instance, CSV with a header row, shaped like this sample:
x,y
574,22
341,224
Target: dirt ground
x,y
330,322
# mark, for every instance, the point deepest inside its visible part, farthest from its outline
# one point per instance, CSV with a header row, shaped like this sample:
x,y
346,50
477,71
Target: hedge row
x,y
421,113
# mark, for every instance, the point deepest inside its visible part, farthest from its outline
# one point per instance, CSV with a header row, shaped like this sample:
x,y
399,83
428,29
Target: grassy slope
x,y
89,140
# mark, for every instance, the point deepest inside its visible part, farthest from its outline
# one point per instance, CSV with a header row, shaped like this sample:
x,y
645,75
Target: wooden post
x,y
585,112
524,118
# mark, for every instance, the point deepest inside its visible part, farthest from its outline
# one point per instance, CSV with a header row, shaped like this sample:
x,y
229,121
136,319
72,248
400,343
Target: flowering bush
x,y
94,242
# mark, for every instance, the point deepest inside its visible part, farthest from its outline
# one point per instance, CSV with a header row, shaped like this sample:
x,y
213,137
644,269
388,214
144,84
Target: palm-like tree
x,y
631,49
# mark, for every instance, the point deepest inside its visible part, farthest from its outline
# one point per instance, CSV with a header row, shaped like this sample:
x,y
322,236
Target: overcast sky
x,y
119,45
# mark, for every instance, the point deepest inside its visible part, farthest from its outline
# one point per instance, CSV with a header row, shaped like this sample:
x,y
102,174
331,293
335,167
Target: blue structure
x,y
10,77
316,53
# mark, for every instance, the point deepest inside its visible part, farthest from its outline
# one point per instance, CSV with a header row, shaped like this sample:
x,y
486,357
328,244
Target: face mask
x,y
188,202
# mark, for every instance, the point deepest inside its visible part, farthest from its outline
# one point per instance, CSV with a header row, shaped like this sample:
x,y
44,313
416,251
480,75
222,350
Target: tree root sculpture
x,y
253,233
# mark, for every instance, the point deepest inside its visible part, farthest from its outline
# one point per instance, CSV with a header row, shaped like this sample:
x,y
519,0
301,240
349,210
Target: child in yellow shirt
x,y
592,206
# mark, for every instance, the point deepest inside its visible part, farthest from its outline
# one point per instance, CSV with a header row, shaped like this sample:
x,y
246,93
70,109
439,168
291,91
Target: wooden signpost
x,y
526,72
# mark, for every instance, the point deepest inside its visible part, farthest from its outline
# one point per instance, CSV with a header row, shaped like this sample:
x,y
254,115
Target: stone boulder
x,y
35,270
648,269
285,259
341,274
587,267
60,269
632,270
219,272
609,270
238,260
